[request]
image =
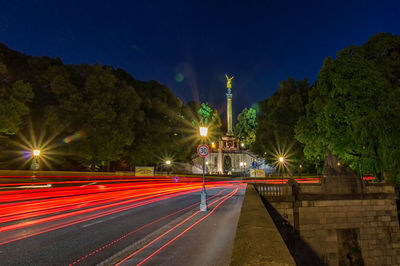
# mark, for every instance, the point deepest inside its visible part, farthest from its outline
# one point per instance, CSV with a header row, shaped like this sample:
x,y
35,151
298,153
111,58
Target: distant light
x,y
242,144
168,162
301,166
213,146
244,163
241,163
206,162
36,152
338,163
281,159
203,131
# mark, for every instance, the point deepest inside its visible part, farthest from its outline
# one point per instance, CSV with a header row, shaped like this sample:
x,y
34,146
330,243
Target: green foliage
x,y
245,129
125,121
14,96
100,105
353,110
205,116
277,118
206,113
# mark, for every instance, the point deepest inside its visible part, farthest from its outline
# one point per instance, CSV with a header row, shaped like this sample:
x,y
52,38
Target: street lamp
x,y
36,159
36,153
168,164
203,194
282,162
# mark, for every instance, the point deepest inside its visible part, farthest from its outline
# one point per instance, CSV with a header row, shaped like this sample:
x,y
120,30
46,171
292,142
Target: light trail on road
x,y
103,215
29,212
142,227
219,201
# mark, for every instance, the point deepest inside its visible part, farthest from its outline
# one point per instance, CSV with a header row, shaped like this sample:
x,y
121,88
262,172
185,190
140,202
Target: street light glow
x,y
281,159
168,162
36,152
203,131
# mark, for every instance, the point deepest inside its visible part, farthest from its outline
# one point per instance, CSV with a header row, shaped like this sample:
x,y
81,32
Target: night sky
x,y
190,45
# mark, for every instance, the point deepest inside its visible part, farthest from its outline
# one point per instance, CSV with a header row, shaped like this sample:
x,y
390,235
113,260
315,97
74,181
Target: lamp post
x,y
203,194
282,162
36,159
168,163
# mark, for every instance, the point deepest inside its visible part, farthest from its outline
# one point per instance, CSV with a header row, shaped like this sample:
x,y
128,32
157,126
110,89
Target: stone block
x,y
394,224
325,203
338,220
357,220
353,214
373,224
370,215
332,238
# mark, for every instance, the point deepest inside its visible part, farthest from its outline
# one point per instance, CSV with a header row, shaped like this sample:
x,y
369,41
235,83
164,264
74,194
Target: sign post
x,y
203,150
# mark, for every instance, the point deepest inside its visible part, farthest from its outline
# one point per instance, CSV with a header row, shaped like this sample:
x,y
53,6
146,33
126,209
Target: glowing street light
x,y
36,153
213,146
36,162
168,164
203,131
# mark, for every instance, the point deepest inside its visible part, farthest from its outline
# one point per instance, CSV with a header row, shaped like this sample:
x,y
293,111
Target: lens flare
x,y
78,135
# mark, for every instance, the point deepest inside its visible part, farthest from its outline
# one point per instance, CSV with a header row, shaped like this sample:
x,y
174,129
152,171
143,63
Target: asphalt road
x,y
104,223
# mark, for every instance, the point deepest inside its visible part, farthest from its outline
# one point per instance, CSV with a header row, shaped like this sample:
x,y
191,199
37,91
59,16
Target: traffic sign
x,y
203,150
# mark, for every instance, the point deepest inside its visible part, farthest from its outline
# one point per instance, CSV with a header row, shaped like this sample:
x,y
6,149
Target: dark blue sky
x,y
258,42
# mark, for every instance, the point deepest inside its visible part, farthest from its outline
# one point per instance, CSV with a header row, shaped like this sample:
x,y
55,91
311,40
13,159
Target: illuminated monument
x,y
230,156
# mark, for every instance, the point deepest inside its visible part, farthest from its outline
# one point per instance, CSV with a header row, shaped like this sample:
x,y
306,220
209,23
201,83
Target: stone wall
x,y
257,240
341,229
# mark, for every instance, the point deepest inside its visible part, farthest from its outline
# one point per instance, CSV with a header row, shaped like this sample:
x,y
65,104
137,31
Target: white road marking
x,y
33,186
103,220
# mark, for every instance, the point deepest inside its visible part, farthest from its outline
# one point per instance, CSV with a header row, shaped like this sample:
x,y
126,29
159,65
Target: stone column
x,y
219,166
229,112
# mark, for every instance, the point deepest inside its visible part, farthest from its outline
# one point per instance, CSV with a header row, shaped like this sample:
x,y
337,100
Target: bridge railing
x,y
273,190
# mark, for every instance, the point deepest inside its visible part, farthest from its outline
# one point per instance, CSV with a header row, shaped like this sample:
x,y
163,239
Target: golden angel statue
x,y
229,81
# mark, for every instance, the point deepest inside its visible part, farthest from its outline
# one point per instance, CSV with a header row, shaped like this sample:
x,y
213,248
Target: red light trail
x,y
223,199
46,209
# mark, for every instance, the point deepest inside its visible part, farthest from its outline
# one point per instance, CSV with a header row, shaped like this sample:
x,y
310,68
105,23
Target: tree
x,y
101,106
277,118
353,109
14,96
245,129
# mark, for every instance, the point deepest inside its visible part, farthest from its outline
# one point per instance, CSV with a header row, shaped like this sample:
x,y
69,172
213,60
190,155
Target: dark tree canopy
x,y
354,109
277,118
14,96
124,121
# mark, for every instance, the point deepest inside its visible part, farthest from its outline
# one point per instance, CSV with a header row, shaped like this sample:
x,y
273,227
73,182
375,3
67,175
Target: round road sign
x,y
203,150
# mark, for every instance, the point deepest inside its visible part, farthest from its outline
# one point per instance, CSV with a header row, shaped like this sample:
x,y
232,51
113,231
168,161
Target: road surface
x,y
116,220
